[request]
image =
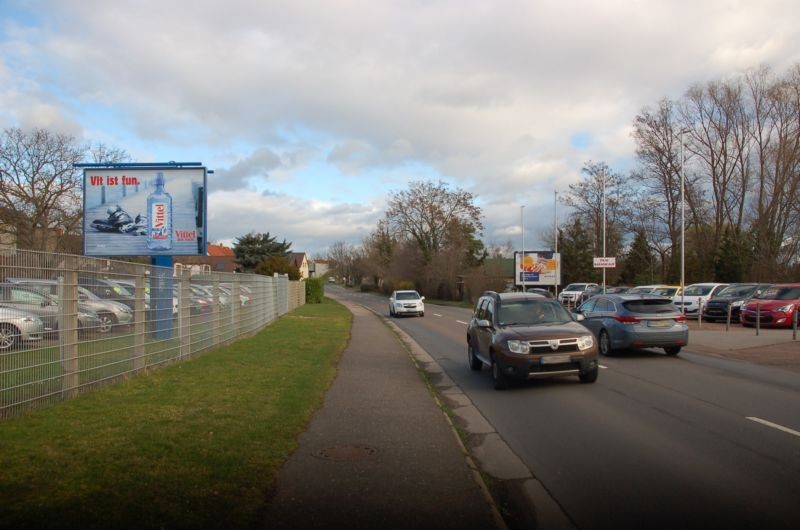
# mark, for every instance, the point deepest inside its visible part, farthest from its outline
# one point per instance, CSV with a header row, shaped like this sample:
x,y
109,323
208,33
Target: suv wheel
x,y
604,343
474,363
499,379
673,350
590,376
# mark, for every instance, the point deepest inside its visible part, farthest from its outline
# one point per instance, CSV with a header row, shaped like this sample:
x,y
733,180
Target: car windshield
x,y
698,290
641,289
649,307
665,291
575,287
735,291
531,312
780,293
407,295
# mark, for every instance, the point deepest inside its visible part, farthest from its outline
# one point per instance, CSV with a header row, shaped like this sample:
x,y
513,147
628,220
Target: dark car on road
x,y
524,336
622,321
734,296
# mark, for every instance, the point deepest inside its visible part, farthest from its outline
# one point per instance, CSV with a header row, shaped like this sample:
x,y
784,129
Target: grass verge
x,y
193,445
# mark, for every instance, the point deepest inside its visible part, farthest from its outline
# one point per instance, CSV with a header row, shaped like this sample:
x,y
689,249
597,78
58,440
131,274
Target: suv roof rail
x,y
493,294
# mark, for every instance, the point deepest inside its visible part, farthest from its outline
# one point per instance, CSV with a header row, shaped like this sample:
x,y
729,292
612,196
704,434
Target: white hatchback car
x,y
406,303
695,296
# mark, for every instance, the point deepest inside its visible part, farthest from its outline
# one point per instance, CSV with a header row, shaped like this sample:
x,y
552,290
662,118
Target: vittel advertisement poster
x,y
537,267
144,212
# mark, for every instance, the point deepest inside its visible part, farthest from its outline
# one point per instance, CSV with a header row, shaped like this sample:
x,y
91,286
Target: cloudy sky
x,y
310,113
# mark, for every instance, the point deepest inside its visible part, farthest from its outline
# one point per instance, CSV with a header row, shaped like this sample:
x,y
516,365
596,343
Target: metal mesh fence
x,y
70,323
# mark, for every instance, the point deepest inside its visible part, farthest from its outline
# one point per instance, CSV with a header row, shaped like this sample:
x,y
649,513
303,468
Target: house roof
x,y
296,258
219,250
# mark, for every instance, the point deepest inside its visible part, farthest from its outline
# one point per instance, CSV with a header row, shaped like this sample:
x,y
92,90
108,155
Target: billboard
x,y
539,267
153,211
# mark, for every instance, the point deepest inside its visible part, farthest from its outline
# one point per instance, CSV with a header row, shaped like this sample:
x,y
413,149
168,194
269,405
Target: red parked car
x,y
777,305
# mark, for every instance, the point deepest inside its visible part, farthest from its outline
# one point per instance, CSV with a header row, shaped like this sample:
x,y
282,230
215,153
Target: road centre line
x,y
773,425
603,366
437,315
462,322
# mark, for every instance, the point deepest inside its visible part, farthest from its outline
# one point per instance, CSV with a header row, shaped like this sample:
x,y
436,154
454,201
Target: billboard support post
x,y
161,294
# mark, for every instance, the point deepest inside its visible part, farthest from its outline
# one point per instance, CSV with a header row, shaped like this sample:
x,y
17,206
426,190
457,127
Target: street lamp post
x,y
555,239
522,260
683,226
604,229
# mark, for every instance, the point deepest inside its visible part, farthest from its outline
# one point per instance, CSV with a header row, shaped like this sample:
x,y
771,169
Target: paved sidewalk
x,y
771,347
380,453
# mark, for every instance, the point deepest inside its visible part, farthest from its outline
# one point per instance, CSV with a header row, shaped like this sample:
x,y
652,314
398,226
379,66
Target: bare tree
x,y
40,190
426,213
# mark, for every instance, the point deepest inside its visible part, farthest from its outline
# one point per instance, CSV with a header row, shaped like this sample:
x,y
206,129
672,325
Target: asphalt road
x,y
657,442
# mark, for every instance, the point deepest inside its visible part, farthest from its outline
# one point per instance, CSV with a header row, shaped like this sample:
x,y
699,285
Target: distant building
x,y
299,260
318,268
221,258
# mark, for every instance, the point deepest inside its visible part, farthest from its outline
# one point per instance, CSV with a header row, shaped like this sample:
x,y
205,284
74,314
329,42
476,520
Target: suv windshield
x,y
735,291
409,295
575,287
531,312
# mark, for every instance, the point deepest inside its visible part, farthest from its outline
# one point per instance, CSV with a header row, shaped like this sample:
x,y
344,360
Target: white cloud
x,y
290,95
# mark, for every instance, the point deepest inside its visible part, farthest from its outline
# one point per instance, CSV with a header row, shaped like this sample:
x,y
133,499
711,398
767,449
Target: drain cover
x,y
346,453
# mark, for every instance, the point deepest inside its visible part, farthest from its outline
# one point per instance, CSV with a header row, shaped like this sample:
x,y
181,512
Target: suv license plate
x,y
555,359
659,323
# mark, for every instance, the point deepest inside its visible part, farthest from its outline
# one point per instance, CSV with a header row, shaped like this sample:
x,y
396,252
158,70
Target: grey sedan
x,y
635,321
18,326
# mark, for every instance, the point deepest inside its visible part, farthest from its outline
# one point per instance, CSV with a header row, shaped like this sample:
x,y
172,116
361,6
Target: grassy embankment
x,y
193,445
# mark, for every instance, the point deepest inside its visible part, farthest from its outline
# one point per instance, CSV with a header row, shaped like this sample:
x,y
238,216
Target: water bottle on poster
x,y
159,217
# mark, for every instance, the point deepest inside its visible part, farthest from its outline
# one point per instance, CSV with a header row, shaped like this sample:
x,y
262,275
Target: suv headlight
x,y
738,303
585,342
519,346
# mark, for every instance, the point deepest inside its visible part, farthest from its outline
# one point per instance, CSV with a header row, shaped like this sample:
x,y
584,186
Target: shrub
x,y
406,285
315,290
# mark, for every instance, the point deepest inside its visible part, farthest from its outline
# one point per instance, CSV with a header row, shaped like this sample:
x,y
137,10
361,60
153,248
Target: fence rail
x,y
69,324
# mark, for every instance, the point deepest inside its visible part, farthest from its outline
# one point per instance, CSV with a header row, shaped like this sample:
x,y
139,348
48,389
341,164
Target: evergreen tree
x,y
732,257
638,268
251,249
278,264
575,247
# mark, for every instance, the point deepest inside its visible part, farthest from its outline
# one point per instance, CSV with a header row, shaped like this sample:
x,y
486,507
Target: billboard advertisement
x,y
156,211
537,267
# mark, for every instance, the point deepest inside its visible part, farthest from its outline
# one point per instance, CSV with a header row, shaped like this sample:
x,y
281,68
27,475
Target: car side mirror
x,y
422,298
579,317
483,323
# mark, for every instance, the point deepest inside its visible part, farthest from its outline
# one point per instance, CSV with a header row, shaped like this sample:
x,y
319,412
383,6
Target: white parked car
x,y
406,303
696,295
575,293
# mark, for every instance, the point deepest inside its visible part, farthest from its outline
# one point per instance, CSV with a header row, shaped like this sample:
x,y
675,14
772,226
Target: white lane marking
x,y
773,425
462,322
437,315
603,367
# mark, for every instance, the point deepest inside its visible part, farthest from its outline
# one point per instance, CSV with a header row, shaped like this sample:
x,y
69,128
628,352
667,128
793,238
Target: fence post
x,y
236,289
139,320
68,331
185,314
794,322
758,319
215,338
728,321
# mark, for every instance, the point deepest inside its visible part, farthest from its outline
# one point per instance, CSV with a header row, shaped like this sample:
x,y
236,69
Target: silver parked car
x,y
18,326
635,321
44,306
110,312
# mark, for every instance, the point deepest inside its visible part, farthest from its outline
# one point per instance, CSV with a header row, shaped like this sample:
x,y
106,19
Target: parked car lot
x,y
406,303
734,297
773,307
44,307
523,336
110,312
634,321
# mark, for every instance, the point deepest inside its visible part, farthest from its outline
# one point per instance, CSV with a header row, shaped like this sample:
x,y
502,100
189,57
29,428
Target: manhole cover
x,y
346,453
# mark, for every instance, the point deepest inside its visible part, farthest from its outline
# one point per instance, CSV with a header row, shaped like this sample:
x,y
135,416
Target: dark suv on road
x,y
525,336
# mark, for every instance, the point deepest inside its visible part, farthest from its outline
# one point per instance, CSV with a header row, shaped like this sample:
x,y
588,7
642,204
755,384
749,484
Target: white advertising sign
x,y
605,263
537,268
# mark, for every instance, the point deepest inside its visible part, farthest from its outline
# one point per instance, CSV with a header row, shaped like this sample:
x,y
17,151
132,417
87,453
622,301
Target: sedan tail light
x,y
680,318
625,319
